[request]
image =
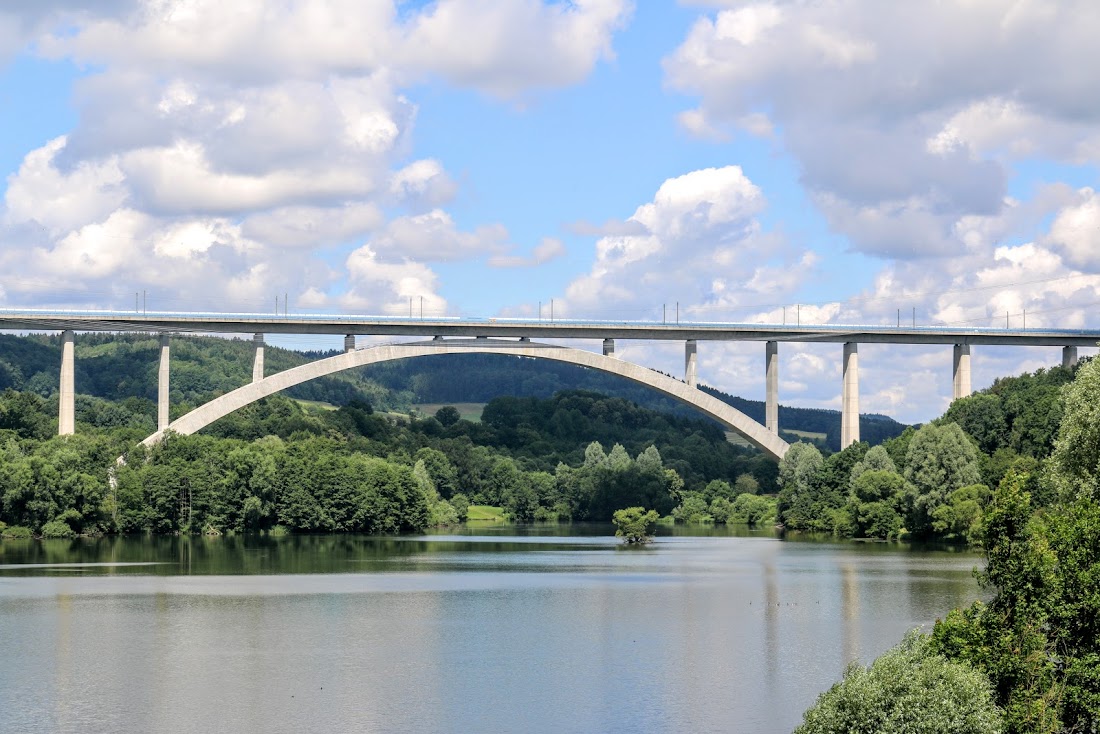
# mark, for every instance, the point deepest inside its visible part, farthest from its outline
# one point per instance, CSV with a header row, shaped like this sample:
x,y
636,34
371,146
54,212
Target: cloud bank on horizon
x,y
850,161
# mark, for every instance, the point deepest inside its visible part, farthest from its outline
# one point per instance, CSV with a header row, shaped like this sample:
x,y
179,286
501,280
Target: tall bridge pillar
x,y
771,380
961,371
162,385
66,409
609,347
690,349
257,357
349,343
1069,357
849,402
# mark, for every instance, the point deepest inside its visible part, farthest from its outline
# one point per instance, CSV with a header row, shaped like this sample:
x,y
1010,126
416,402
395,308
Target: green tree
x,y
633,524
940,459
594,456
751,509
982,417
961,516
909,690
440,469
877,458
521,502
835,475
650,460
1038,638
461,505
879,503
798,503
692,510
746,483
619,460
1007,638
448,415
721,509
1074,466
27,414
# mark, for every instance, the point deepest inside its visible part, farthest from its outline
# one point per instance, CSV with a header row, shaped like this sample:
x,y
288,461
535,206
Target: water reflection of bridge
x,y
512,336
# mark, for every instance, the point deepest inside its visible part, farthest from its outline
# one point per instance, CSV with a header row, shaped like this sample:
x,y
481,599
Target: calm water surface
x,y
498,630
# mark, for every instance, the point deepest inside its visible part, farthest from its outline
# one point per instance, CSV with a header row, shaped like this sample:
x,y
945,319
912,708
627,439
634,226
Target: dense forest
x,y
360,470
933,481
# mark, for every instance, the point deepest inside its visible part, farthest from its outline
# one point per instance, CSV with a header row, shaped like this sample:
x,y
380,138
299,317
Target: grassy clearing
x,y
807,434
468,411
737,439
315,405
485,513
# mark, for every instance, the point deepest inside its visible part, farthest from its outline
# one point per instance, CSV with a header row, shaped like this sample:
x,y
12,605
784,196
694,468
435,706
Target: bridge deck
x,y
245,323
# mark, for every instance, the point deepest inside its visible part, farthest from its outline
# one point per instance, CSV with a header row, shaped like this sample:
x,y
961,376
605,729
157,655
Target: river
x,y
487,630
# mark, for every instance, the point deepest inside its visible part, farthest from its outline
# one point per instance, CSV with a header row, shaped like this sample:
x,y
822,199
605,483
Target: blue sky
x,y
739,158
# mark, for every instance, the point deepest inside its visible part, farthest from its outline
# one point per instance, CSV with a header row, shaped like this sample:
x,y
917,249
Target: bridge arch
x,y
727,415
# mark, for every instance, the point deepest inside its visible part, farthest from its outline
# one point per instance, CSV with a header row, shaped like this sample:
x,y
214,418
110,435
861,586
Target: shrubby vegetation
x,y
718,502
1036,641
1038,637
909,690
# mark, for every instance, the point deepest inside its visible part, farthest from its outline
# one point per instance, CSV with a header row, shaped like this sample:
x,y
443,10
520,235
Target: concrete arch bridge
x,y
262,387
454,335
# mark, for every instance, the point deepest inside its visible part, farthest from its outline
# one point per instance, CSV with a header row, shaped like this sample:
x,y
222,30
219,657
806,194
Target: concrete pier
x,y
690,349
349,343
162,385
961,371
1069,357
609,347
257,357
66,413
849,410
771,379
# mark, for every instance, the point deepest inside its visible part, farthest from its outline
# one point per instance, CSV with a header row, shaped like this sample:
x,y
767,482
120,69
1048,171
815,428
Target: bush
x,y
909,689
443,514
634,524
57,529
692,510
16,531
461,503
752,509
720,509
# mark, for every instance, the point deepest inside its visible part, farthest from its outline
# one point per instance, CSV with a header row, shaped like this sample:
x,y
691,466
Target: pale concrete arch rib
x,y
725,414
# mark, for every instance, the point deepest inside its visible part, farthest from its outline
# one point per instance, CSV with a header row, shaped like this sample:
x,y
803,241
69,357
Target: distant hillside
x,y
120,367
873,427
481,377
